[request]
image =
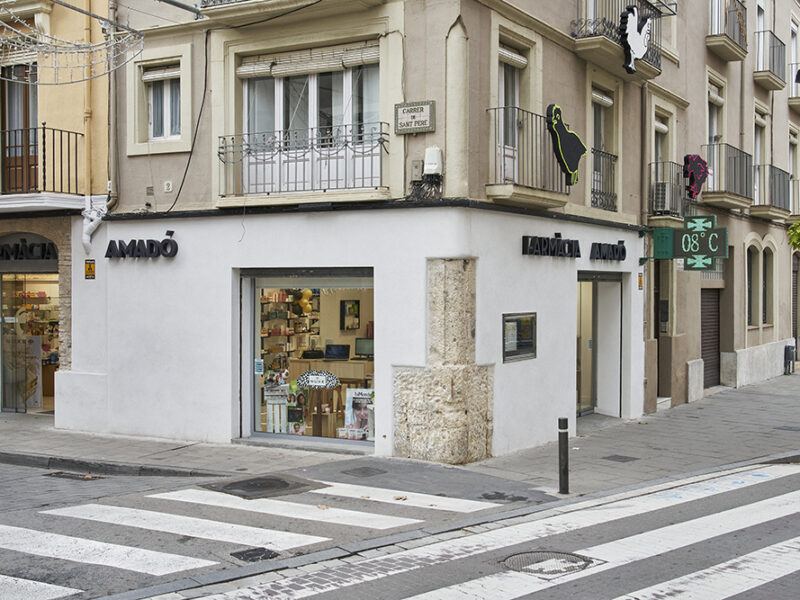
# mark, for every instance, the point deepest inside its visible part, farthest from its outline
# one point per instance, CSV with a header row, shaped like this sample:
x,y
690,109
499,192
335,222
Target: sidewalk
x,y
727,426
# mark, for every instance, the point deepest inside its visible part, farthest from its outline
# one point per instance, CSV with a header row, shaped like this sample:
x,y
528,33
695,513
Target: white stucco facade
x,y
157,341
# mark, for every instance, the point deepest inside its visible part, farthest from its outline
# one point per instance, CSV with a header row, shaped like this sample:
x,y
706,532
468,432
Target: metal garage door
x,y
709,325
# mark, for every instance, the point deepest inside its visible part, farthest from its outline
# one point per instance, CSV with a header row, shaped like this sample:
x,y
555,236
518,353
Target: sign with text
x,y
89,268
415,117
698,243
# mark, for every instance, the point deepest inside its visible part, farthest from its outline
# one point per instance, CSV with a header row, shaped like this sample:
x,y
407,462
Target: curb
x,y
352,548
42,461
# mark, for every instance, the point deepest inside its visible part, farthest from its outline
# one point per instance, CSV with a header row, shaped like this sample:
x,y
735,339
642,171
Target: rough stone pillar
x,y
442,412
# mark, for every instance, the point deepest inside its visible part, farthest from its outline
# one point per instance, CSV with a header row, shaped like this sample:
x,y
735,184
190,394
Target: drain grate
x,y
548,565
364,472
254,554
79,476
620,458
265,486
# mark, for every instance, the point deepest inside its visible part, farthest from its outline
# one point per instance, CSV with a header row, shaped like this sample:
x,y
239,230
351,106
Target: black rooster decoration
x,y
634,36
567,146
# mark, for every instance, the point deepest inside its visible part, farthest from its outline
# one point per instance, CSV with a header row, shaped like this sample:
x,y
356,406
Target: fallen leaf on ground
x,y
401,497
322,507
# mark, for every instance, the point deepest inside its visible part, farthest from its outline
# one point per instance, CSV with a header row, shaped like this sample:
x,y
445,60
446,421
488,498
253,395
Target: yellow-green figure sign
x,y
698,243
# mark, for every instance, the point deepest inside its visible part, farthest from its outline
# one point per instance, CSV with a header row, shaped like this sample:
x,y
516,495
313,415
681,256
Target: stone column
x,y
443,412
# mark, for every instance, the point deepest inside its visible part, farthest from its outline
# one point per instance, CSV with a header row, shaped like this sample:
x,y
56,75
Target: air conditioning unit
x,y
662,198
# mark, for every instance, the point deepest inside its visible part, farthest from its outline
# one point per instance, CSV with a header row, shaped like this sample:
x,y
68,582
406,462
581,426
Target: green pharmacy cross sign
x,y
698,243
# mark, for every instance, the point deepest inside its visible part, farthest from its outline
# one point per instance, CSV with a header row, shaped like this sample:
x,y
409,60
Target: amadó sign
x,y
167,248
558,246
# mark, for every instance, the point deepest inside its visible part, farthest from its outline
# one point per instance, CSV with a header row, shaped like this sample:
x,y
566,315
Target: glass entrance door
x,y
585,359
29,344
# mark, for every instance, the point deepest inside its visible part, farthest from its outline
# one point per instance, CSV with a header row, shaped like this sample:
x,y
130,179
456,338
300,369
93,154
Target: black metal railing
x,y
770,54
523,151
303,160
730,170
602,17
772,187
794,85
40,159
667,189
729,17
604,194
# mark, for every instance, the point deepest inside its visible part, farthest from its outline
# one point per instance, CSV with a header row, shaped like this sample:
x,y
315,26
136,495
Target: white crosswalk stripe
x,y
291,510
473,545
190,526
730,578
507,586
399,497
14,588
53,545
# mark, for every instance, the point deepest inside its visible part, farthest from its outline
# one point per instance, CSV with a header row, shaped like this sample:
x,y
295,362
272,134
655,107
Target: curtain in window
x,y
365,96
174,106
330,93
295,110
157,109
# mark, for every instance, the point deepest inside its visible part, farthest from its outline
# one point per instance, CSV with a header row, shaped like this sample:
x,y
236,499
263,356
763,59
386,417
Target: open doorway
x,y
599,344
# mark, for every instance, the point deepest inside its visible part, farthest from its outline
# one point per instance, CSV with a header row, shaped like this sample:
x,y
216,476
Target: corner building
x,y
374,243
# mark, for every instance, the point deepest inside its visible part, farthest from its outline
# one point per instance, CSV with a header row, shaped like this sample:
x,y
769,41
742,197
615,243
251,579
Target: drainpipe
x,y
643,211
112,119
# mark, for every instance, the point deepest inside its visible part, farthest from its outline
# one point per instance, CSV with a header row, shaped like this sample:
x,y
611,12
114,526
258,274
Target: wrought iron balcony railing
x,y
770,54
729,18
523,152
730,170
667,189
772,187
40,159
794,86
604,193
303,160
602,17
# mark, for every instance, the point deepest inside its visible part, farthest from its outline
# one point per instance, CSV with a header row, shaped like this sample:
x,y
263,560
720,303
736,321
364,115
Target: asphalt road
x,y
729,535
82,537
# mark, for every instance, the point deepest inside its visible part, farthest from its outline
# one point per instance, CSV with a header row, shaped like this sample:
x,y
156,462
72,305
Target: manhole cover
x,y
254,554
620,458
265,486
363,472
547,565
80,476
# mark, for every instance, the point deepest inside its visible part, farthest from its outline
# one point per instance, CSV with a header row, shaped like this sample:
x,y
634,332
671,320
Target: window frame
x,y
167,118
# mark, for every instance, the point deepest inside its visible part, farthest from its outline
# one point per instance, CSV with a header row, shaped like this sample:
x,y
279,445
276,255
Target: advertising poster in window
x,y
359,402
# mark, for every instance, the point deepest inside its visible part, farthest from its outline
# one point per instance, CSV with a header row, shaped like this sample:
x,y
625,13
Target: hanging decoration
x,y
634,36
695,170
567,146
60,61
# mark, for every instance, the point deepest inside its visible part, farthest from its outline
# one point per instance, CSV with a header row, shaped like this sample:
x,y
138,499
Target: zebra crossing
x,y
382,575
39,542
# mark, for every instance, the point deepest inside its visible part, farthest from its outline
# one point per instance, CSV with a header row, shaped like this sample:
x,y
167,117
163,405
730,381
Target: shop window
x,y
519,336
752,287
314,356
766,286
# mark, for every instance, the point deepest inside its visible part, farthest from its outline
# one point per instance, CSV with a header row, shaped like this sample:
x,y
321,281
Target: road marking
x,y
473,545
191,526
401,498
14,588
53,545
624,551
288,509
729,578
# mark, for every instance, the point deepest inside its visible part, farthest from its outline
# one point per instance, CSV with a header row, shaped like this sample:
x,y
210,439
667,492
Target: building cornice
x,y
526,19
667,95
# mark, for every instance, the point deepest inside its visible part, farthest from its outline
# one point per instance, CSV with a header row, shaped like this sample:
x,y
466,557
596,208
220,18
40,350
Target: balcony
x,y
794,201
730,177
772,193
597,38
794,87
290,162
667,195
604,193
524,166
40,169
770,70
727,36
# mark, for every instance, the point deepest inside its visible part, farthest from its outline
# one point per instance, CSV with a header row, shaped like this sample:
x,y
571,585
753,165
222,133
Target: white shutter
x,y
512,58
316,60
601,99
161,73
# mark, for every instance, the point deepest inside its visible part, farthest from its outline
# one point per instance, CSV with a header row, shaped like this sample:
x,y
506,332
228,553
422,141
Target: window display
x,y
317,378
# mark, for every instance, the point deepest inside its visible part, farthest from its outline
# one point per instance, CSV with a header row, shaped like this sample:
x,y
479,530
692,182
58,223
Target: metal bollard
x,y
563,456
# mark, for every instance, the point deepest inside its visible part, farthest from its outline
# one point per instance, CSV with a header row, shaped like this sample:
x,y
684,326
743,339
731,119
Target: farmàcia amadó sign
x,y
699,243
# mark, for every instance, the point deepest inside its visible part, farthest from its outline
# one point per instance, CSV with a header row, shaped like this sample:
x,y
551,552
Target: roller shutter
x,y
709,335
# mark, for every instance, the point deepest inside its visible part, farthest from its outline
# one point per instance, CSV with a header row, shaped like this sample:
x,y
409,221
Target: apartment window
x,y
716,102
661,150
163,101
794,201
759,155
752,263
603,158
766,286
509,100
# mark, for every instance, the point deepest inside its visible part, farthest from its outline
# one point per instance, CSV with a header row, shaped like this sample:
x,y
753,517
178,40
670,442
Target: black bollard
x,y
563,456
